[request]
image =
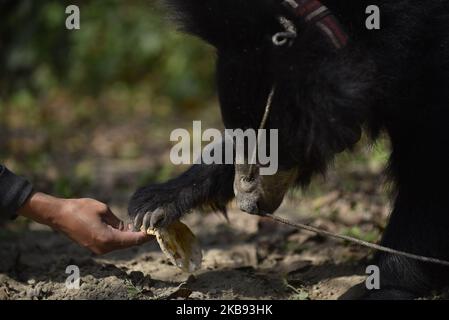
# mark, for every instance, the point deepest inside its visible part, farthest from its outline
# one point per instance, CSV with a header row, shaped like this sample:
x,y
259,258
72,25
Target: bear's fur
x,y
393,80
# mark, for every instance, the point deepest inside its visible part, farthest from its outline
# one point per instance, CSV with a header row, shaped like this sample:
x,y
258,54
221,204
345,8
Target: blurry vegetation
x,y
112,89
120,44
372,235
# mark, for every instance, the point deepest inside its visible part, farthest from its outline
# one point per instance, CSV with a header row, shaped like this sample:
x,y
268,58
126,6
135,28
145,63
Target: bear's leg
x,y
419,165
201,186
419,224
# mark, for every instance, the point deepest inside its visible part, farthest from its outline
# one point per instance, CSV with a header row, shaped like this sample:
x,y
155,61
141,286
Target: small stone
x,y
33,293
136,277
3,294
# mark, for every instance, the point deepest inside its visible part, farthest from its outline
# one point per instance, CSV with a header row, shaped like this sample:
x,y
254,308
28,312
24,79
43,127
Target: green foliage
x,y
356,232
158,174
302,295
120,42
111,90
299,293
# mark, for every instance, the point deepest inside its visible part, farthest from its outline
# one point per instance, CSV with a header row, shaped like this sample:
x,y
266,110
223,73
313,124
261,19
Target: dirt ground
x,y
241,261
245,258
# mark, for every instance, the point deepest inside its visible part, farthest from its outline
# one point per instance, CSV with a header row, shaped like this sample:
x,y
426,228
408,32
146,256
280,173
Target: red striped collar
x,y
313,11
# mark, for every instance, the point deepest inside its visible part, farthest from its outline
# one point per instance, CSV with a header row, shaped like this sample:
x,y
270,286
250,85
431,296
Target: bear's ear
x,y
227,22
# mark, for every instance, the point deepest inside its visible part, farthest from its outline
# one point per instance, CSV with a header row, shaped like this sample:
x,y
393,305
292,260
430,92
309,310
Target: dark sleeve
x,y
14,191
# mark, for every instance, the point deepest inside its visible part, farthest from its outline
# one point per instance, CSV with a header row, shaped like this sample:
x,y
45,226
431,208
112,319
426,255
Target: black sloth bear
x,y
334,78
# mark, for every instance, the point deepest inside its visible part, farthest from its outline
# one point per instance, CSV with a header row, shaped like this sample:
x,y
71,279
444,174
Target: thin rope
x,y
355,240
261,127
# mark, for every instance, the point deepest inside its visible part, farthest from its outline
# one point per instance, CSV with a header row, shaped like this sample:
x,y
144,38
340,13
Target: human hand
x,y
88,222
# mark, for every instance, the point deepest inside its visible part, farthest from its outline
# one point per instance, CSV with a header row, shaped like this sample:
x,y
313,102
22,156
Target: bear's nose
x,y
250,207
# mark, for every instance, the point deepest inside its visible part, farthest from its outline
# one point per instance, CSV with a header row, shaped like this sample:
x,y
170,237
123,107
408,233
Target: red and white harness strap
x,y
313,11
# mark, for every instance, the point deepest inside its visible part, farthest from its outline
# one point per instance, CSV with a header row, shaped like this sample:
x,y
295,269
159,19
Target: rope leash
x,y
363,243
252,167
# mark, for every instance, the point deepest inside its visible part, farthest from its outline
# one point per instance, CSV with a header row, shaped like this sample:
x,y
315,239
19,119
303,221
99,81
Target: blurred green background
x,y
88,112
82,106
